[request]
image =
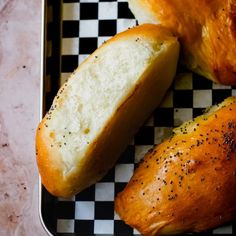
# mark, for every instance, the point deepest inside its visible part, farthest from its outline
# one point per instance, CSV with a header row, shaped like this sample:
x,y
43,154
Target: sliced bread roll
x,y
97,112
188,182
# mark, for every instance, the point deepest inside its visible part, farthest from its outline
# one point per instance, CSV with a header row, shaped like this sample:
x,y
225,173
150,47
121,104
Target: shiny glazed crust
x,y
206,29
188,182
64,176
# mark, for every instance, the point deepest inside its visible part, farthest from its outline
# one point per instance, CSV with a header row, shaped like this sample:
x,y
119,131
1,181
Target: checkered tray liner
x,y
86,24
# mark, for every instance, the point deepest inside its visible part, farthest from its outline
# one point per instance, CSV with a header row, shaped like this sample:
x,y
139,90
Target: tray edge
x,y
42,74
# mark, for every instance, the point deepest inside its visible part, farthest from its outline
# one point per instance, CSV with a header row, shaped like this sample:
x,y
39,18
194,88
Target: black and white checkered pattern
x,y
86,24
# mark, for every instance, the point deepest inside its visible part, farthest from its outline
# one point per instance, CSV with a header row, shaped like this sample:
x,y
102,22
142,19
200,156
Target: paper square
x,y
123,172
202,98
104,192
107,10
70,46
103,226
84,210
71,11
88,28
65,226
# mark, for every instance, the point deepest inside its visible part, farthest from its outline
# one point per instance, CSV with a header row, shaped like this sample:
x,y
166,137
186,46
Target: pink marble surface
x,y
19,114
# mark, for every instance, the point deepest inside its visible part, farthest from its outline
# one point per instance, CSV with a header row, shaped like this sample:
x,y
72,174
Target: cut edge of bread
x,y
65,172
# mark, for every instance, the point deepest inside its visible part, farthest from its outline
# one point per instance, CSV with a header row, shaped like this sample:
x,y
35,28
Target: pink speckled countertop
x,y
20,22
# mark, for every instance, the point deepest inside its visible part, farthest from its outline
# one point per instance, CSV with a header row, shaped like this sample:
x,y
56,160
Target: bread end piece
x,y
96,113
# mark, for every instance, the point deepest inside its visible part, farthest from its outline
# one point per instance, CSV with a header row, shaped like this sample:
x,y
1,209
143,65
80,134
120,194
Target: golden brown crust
x,y
49,165
104,150
207,32
188,182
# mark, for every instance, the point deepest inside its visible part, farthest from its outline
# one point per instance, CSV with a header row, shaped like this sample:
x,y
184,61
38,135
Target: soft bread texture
x,y
206,30
96,113
188,182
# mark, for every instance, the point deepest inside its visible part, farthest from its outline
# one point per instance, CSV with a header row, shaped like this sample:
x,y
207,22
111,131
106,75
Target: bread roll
x,y
206,29
188,182
97,112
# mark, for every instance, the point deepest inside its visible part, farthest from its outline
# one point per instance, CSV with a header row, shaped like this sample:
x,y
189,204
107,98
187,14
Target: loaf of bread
x,y
188,182
96,113
206,30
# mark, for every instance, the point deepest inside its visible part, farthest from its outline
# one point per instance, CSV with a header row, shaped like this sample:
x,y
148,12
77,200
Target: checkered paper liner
x,y
86,24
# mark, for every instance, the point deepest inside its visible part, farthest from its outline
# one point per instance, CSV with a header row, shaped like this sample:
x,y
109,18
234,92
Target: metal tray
x,y
72,29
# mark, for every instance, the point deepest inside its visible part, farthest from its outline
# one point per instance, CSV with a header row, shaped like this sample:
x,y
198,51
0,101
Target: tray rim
x,y
41,101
